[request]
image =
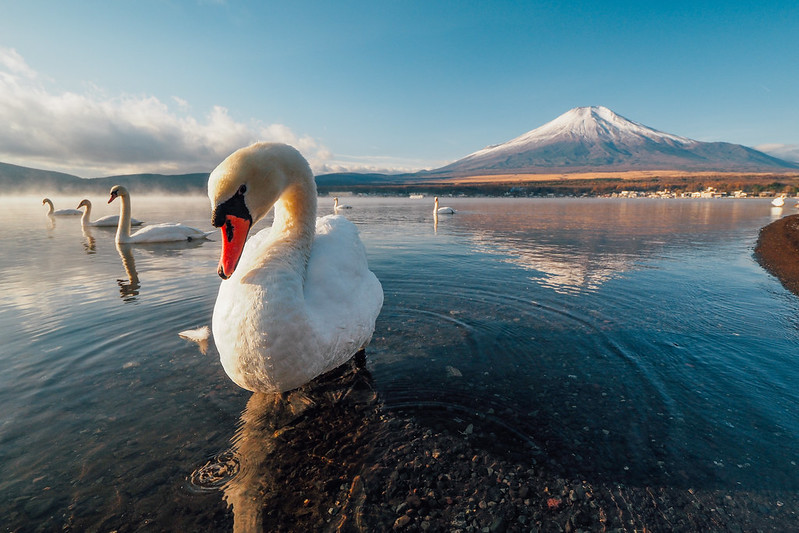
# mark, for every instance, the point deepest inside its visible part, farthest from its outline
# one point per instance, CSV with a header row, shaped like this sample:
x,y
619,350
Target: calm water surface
x,y
625,340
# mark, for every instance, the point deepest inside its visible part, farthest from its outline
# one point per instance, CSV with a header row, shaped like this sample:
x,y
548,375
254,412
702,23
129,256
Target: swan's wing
x,y
342,295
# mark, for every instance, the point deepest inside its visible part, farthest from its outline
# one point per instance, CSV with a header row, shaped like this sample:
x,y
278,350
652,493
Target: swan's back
x,y
166,233
111,221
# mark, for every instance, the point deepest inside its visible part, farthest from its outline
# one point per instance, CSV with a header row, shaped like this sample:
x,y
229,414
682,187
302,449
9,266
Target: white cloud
x,y
95,135
377,164
13,63
788,152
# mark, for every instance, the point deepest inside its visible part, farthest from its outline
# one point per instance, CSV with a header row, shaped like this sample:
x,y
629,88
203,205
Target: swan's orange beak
x,y
113,195
234,235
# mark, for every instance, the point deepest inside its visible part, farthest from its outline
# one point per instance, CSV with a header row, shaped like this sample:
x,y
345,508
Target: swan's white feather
x,y
201,334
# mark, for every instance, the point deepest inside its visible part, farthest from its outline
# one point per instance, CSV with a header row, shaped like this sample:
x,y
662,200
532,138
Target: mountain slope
x,y
596,138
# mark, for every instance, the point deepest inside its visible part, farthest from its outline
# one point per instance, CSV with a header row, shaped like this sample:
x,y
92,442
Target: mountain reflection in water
x,y
575,245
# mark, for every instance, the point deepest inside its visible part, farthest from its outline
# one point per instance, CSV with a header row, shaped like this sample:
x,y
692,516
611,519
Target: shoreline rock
x,y
777,250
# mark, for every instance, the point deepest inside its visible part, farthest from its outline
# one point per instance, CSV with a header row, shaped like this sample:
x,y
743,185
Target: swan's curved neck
x,y
123,228
49,206
84,220
295,220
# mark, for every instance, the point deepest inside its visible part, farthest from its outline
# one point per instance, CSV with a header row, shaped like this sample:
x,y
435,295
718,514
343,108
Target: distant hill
x,y
15,179
588,139
344,179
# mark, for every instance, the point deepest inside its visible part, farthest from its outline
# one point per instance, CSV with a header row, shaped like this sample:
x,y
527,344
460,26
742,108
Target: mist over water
x,y
623,340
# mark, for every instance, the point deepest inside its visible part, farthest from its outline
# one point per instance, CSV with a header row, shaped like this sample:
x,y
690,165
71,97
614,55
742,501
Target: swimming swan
x,y
149,234
442,210
103,222
298,299
337,206
778,201
60,212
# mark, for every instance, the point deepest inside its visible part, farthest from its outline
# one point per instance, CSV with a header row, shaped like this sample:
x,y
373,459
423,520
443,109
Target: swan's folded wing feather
x,y
342,295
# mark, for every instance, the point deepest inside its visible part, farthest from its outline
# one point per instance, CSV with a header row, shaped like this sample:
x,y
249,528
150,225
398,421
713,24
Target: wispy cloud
x,y
93,134
788,152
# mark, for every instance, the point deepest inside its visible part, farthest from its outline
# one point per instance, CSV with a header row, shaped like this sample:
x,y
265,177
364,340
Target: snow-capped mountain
x,y
595,138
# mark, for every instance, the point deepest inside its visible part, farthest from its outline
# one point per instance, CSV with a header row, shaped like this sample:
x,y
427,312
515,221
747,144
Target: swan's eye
x,y
242,189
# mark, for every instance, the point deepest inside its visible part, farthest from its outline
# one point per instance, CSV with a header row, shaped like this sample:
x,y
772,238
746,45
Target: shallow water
x,y
624,340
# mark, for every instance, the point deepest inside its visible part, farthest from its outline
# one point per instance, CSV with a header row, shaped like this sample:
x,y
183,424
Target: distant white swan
x,y
149,234
299,299
103,222
778,201
443,210
60,212
337,206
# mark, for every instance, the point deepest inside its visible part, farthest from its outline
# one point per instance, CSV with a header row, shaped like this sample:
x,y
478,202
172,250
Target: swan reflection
x,y
129,288
88,240
292,451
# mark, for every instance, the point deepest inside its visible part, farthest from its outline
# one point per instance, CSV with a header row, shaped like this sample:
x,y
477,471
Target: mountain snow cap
x,y
594,123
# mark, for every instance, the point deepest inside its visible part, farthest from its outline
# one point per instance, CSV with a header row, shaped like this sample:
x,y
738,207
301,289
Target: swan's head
x,y
117,190
85,203
242,190
46,201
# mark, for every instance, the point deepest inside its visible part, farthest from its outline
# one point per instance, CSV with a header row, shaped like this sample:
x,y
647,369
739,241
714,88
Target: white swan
x,y
60,212
149,234
442,210
779,201
337,206
103,222
299,299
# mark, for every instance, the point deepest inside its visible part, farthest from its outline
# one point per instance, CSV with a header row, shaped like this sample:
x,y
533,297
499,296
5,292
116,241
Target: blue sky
x,y
96,87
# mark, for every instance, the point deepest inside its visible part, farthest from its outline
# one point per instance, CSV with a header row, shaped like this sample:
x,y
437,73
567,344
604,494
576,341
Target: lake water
x,y
634,341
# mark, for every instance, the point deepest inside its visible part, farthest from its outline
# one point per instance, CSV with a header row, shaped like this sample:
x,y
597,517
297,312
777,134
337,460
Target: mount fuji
x,y
597,139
